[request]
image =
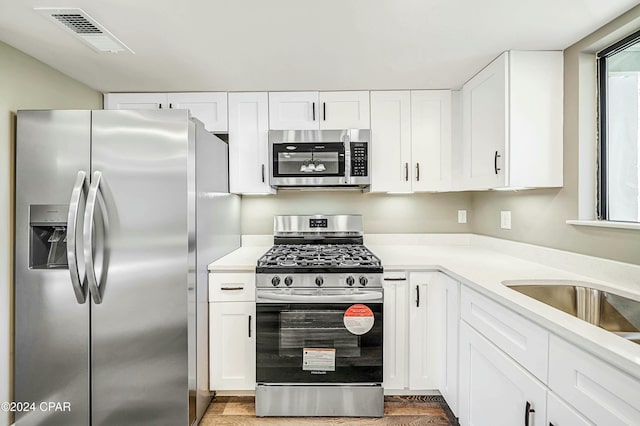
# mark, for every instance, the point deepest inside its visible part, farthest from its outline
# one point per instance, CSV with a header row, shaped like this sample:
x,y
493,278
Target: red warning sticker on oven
x,y
358,319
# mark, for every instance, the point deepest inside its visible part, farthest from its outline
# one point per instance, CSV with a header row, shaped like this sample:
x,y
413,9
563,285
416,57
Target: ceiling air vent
x,y
84,27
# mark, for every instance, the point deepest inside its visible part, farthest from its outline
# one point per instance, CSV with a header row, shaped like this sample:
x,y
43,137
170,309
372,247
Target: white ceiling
x,y
209,45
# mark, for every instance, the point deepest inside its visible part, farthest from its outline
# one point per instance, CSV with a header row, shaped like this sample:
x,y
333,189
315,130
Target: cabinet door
x,y
449,326
294,111
395,349
232,350
524,341
344,110
210,108
390,141
601,392
249,143
135,101
484,99
431,140
560,414
494,390
424,333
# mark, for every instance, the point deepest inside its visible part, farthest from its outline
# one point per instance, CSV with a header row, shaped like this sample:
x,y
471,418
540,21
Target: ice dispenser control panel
x,y
48,236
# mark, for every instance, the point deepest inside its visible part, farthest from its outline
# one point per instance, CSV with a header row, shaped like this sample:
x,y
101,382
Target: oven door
x,y
319,343
307,163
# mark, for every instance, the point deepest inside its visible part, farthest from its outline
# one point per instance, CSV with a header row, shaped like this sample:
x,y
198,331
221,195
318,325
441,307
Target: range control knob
x,y
288,281
275,281
363,281
319,281
350,281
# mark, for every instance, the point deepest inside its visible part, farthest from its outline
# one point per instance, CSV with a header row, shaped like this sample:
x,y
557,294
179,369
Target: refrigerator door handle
x,y
78,283
95,196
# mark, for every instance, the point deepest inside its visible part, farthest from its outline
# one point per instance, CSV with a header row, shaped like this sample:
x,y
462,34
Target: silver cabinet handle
x,y
395,279
313,109
406,172
417,296
78,192
324,111
232,288
417,172
496,169
263,173
249,326
95,196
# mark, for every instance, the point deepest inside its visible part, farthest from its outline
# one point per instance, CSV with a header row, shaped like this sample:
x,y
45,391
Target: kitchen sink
x,y
609,311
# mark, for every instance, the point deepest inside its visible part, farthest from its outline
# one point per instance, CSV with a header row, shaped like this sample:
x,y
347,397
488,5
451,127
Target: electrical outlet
x,y
505,219
462,216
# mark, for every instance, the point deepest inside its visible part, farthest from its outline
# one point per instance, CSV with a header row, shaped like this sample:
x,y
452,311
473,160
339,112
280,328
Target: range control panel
x,y
359,159
318,223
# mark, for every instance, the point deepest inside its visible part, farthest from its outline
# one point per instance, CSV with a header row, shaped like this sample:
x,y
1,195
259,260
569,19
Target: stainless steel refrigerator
x,y
117,215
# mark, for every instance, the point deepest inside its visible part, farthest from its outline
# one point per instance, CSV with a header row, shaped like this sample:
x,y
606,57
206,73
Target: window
x,y
619,120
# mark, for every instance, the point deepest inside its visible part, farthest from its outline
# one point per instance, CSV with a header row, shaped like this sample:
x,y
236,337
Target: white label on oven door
x,y
318,359
358,319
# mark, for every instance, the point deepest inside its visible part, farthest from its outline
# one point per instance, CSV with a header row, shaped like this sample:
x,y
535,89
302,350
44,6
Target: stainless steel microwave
x,y
319,158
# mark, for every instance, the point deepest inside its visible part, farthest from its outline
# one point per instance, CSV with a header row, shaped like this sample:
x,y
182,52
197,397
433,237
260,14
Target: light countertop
x,y
483,270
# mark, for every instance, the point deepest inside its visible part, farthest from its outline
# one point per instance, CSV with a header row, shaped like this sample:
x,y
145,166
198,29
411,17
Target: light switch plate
x,y
505,219
462,216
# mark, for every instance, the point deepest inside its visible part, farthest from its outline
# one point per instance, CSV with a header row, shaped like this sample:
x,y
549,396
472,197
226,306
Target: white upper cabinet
x,y
431,140
249,143
344,110
318,110
210,108
411,145
135,101
512,123
390,141
294,111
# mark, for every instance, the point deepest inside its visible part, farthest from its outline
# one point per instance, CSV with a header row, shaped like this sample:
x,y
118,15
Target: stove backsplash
x,y
382,213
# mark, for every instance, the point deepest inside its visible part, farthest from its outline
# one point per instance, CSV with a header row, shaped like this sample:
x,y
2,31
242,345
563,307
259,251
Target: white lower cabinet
x,y
395,332
600,392
412,338
232,343
424,331
561,414
494,389
449,330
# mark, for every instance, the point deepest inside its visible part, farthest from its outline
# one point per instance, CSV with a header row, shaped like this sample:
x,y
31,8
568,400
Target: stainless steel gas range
x,y
319,320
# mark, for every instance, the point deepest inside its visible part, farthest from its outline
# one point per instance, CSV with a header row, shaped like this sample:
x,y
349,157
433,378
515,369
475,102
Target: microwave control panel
x,y
359,159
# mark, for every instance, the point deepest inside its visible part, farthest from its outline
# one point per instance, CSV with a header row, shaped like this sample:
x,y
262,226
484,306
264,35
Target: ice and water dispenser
x,y
48,239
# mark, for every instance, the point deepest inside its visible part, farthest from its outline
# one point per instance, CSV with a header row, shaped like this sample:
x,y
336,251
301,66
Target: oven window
x,y
309,343
308,159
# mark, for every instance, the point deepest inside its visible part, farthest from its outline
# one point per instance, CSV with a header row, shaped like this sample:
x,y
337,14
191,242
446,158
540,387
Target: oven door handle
x,y
312,298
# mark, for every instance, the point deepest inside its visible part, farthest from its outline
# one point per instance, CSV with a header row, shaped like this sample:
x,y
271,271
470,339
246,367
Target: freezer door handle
x,y
79,191
95,196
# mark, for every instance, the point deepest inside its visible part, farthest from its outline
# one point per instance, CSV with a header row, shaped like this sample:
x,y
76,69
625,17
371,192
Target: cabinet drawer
x,y
521,339
603,394
232,287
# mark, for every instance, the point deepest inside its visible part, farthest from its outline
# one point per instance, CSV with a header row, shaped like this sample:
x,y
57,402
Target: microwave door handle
x,y
78,192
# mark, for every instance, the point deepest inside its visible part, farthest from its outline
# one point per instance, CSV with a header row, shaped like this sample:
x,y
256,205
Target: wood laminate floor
x,y
398,410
